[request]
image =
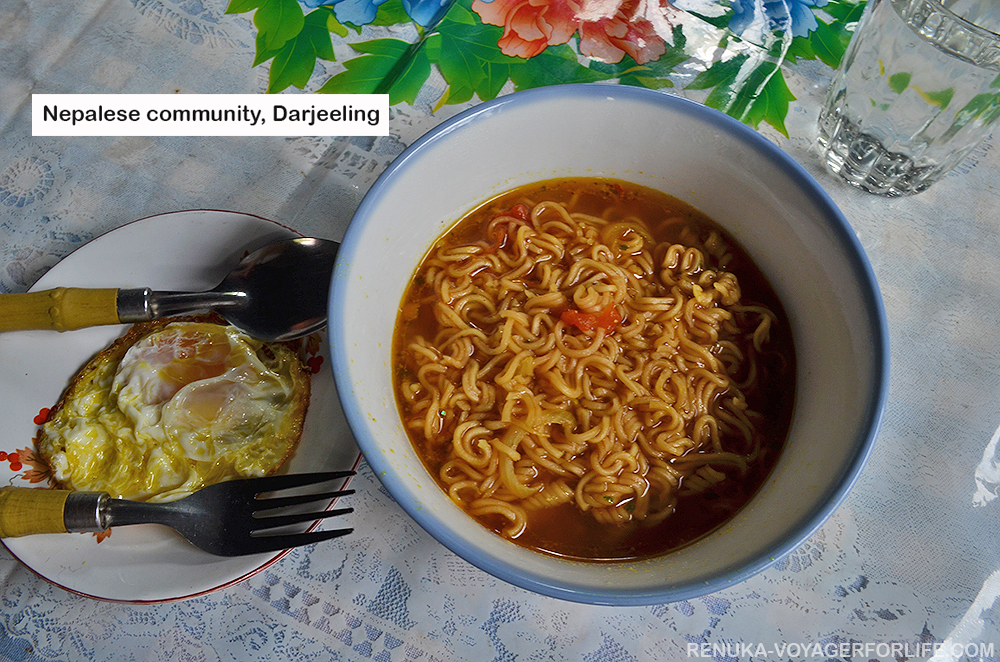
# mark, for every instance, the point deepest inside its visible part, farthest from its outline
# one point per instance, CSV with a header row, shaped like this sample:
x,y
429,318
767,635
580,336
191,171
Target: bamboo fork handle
x,y
24,511
59,309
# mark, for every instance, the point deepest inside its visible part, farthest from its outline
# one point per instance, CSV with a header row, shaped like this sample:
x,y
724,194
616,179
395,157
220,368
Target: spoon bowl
x,y
278,292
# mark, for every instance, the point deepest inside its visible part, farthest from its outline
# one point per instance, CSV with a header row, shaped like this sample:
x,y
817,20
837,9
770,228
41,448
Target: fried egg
x,y
174,406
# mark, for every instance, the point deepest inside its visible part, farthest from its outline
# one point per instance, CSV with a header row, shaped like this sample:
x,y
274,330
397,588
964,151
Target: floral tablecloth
x,y
907,568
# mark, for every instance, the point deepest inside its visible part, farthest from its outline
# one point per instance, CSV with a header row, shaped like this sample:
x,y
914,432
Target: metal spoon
x,y
278,292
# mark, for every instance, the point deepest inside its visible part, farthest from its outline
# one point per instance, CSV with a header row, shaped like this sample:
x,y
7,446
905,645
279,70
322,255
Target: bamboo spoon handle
x,y
59,309
25,511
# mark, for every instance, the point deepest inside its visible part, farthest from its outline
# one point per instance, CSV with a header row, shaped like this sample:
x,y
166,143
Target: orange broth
x,y
564,530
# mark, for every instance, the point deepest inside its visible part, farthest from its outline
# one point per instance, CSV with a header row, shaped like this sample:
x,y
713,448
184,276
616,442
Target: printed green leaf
x,y
468,59
263,56
411,79
386,47
771,103
391,12
801,48
464,76
487,85
382,58
899,82
318,26
762,96
648,83
776,44
553,66
495,76
991,111
845,11
719,74
292,65
477,39
363,74
985,107
461,12
295,61
277,21
940,99
242,6
719,79
829,42
466,53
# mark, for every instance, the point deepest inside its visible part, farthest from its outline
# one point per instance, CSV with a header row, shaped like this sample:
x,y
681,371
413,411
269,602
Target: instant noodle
x,y
594,369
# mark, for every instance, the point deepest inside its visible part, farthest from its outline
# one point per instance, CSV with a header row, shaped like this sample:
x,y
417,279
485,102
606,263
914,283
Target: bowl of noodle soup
x,y
607,344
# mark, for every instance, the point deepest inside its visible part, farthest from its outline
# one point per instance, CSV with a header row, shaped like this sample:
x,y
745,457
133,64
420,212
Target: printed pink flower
x,y
625,30
529,25
608,29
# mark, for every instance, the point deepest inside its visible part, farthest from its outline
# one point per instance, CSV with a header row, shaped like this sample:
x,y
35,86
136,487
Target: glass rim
x,y
957,31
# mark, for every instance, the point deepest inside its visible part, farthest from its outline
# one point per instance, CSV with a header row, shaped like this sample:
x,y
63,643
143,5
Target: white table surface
x,y
907,567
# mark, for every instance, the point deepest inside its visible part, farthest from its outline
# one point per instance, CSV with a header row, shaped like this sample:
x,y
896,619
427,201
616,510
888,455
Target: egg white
x,y
172,407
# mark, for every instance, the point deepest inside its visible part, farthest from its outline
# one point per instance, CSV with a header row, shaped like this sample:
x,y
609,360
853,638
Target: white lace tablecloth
x,y
907,568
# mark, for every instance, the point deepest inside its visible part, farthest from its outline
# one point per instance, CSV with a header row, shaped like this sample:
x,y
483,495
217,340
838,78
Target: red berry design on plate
x,y
314,363
13,458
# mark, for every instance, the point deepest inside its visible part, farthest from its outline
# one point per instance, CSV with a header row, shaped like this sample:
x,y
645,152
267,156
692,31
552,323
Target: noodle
x,y
573,359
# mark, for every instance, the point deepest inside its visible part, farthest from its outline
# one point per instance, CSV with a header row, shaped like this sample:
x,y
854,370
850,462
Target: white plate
x,y
184,251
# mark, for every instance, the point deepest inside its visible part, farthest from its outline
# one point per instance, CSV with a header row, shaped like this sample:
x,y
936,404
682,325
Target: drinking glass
x,y
917,90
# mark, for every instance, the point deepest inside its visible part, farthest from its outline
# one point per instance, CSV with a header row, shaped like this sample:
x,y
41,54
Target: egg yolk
x,y
180,358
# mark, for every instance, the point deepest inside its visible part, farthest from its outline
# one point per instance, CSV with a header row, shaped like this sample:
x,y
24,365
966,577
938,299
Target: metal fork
x,y
231,518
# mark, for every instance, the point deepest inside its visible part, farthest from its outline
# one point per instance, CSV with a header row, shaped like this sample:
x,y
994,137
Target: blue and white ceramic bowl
x,y
764,198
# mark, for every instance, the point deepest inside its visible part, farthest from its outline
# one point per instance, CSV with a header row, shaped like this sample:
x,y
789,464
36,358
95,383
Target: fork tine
x,y
275,483
261,544
265,505
265,523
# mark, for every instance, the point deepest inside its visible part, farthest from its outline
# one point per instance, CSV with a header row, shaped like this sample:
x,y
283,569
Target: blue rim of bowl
x,y
735,129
